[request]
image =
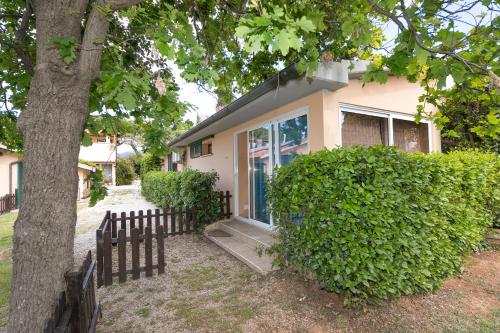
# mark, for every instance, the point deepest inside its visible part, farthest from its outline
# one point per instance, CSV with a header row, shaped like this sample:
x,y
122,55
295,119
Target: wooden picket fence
x,y
137,232
7,203
76,310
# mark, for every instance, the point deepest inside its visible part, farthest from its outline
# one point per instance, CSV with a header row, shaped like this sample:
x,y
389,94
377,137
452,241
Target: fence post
x,y
157,217
221,203
108,259
73,280
228,205
122,256
141,222
181,220
160,246
132,220
172,221
148,217
123,222
99,255
134,238
165,220
148,253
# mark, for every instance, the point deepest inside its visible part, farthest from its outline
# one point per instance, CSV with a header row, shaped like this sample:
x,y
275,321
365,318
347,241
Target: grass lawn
x,y
6,224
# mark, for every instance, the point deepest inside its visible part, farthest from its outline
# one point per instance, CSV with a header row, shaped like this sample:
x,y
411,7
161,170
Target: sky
x,y
203,102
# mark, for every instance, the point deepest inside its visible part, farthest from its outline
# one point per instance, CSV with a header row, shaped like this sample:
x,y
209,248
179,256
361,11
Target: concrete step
x,y
250,234
245,242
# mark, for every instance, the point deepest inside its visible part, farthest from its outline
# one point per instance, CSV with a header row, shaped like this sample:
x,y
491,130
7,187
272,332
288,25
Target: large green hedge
x,y
377,222
189,188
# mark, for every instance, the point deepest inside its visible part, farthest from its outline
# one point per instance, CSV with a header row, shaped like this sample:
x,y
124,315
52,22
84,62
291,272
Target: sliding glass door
x,y
259,160
273,144
293,140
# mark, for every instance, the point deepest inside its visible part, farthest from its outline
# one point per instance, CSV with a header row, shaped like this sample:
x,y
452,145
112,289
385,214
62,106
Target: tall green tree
x,y
64,62
66,66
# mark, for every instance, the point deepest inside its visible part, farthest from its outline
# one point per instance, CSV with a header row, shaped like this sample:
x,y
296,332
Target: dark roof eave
x,y
286,74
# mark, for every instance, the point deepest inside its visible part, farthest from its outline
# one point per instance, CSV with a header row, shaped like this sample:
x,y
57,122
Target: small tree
x,y
125,173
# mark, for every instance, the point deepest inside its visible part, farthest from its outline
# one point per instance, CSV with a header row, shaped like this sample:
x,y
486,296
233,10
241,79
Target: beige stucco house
x,y
8,170
84,183
291,114
103,153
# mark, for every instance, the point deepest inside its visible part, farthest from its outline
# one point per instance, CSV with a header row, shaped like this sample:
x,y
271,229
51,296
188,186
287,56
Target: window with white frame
x,y
367,127
364,130
195,149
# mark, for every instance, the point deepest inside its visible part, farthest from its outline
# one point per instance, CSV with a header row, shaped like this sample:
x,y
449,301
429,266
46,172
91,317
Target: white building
x,y
102,152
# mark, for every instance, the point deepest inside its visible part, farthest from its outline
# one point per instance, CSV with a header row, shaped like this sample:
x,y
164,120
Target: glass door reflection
x,y
259,165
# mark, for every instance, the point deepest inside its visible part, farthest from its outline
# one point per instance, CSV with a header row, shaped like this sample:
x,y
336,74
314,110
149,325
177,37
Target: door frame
x,y
274,158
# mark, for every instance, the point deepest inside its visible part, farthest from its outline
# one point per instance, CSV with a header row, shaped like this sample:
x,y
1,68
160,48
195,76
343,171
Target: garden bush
x,y
149,162
97,189
125,173
376,222
189,188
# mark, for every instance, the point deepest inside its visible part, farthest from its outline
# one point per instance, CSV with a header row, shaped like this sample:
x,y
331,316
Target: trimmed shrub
x,y
149,163
376,222
189,188
125,173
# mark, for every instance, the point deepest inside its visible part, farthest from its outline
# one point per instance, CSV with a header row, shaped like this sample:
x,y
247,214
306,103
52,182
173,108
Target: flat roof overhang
x,y
281,89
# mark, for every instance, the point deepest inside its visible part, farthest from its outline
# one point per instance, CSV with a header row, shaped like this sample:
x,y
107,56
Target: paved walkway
x,y
119,199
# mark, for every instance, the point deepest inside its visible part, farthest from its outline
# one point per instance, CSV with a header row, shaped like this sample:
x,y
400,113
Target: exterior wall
x,y
222,158
82,184
113,173
101,153
5,160
397,95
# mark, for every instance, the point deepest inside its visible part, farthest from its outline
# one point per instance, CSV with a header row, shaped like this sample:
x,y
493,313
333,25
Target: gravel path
x,y
119,199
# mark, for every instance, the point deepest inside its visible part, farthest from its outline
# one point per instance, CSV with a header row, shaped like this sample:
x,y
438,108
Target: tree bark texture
x,y
52,125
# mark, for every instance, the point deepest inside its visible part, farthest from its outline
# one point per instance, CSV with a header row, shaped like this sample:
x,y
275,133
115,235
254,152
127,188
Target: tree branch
x,y
495,80
19,43
119,4
95,34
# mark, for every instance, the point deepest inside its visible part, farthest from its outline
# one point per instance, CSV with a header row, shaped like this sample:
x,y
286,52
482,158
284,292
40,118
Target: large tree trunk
x,y
44,230
52,126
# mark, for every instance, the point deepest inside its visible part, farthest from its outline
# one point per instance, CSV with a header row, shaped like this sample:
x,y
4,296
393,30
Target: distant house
x,y
84,183
290,114
103,153
174,161
11,167
9,161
